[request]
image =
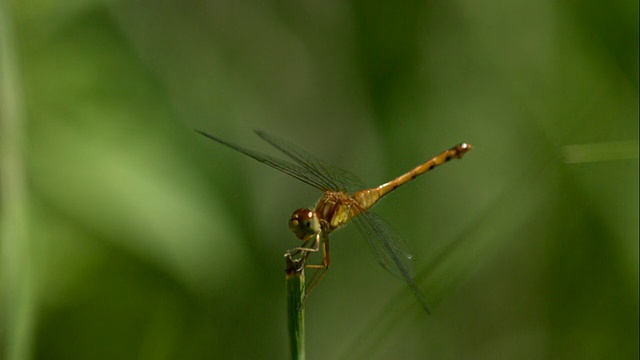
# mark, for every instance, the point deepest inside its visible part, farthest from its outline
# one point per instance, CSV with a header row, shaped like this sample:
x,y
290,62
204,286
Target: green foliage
x,y
138,238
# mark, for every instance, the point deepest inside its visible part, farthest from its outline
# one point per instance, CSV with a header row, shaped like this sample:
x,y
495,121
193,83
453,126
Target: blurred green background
x,y
126,235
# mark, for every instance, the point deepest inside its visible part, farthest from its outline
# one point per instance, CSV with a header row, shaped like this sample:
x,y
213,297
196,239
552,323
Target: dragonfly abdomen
x,y
455,152
337,208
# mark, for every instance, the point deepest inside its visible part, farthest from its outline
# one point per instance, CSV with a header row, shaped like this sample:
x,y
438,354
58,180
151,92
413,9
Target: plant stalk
x,y
294,271
18,284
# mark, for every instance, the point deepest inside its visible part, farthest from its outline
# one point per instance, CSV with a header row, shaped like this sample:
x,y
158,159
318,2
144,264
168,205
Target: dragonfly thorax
x,y
305,224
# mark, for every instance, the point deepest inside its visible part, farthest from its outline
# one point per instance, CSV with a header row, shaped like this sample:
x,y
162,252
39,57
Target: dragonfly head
x,y
304,223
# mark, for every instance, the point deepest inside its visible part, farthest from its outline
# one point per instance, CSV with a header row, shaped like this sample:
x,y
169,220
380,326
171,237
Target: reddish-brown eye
x,y
304,223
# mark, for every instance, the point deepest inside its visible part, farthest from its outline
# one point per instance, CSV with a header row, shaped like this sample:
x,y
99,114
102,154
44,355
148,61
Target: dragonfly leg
x,y
305,250
321,268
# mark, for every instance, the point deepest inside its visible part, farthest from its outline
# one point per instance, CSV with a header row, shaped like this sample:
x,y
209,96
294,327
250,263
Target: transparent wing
x,y
301,173
388,247
390,250
332,176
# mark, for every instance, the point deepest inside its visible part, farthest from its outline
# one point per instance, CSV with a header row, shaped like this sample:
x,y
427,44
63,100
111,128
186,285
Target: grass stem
x,y
294,271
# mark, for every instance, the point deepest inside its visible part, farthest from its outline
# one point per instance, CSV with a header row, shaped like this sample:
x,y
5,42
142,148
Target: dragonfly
x,y
345,199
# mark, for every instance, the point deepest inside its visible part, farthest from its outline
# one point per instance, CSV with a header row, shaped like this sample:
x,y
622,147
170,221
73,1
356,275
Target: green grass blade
x,y
295,310
18,279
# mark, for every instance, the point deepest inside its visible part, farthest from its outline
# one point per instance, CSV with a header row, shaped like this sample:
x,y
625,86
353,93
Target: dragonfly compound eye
x,y
304,223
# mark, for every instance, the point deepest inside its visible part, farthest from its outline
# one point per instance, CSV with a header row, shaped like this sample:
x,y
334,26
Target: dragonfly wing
x,y
386,244
286,167
390,250
332,176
